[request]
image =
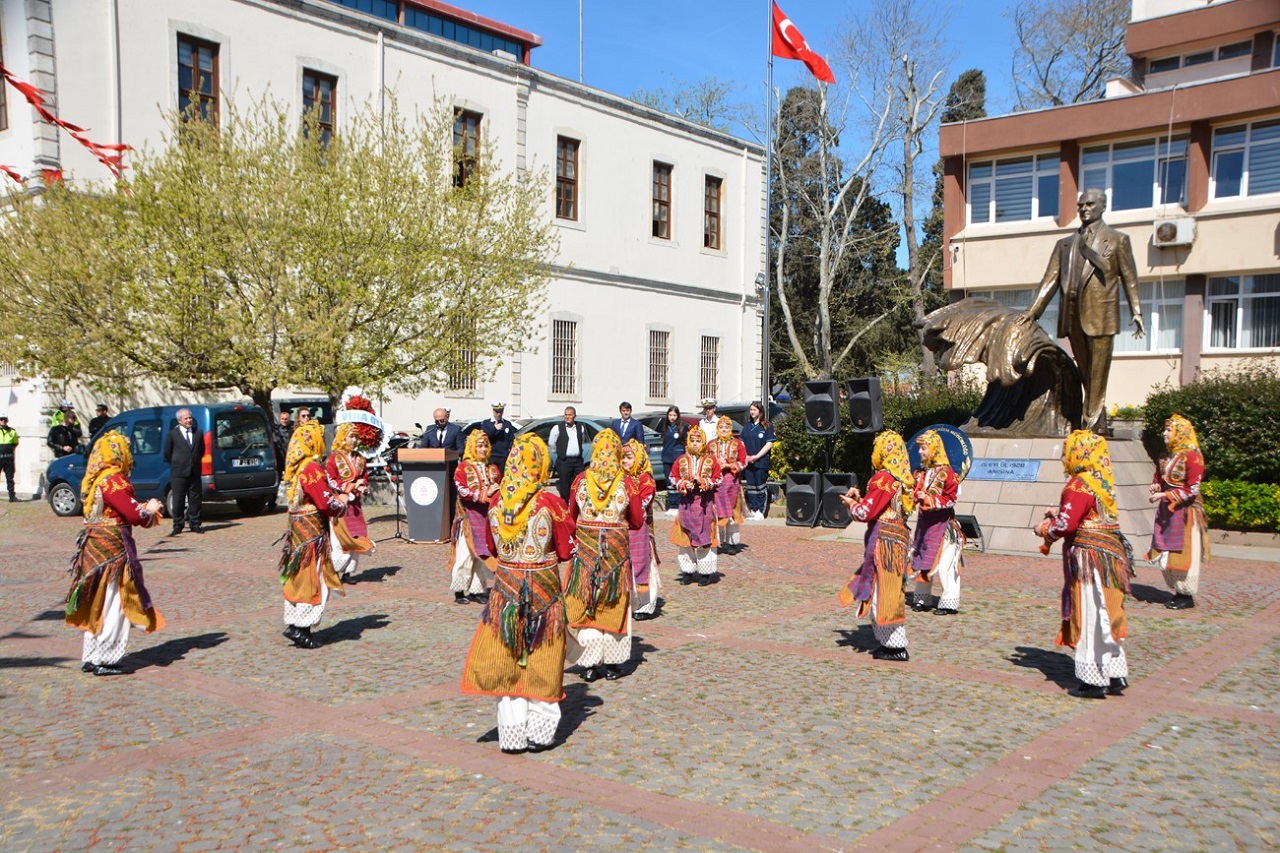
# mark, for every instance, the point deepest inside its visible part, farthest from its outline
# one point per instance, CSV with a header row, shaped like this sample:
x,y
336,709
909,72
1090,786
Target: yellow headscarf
x,y
110,456
1087,456
1182,435
605,470
471,452
340,434
528,467
307,444
931,443
889,453
642,463
696,436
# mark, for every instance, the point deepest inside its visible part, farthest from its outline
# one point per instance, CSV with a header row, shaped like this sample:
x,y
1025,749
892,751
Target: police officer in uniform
x,y
8,452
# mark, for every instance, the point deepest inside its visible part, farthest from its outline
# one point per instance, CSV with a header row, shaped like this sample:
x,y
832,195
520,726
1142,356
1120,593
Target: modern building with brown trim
x,y
1187,149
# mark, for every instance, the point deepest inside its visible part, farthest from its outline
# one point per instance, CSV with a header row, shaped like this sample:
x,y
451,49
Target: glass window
x,y
146,438
566,178
564,357
239,430
1246,159
1243,312
1200,58
709,378
659,364
466,146
1015,190
320,93
662,201
386,9
1162,310
711,196
1168,63
1231,51
197,78
1139,174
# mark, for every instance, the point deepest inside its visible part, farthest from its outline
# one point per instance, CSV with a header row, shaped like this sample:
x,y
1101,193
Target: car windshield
x,y
236,430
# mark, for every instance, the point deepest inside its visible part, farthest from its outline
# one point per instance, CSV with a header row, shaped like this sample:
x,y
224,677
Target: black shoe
x,y
883,653
460,598
108,669
591,673
922,607
686,579
514,751
612,672
87,667
197,530
1117,686
1091,691
175,531
706,580
479,598
1181,602
305,640
292,633
945,611
642,617
721,550
540,747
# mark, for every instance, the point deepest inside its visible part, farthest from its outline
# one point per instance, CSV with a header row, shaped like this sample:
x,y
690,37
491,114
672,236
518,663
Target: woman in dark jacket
x,y
674,433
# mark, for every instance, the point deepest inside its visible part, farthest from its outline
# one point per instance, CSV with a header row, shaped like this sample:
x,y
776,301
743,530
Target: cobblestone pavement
x,y
752,718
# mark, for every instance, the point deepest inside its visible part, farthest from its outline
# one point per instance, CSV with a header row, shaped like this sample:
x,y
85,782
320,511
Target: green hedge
x,y
904,413
1236,414
1237,505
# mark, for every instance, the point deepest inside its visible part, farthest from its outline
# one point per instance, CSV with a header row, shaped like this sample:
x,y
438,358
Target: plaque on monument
x,y
1016,470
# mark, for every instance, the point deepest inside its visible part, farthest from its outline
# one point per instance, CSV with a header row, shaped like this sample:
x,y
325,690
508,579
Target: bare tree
x,y
707,102
1067,50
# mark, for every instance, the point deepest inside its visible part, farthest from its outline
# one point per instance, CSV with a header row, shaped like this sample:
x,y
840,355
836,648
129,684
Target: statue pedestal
x,y
1013,480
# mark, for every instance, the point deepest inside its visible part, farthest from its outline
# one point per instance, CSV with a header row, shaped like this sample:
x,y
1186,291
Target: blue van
x,y
239,463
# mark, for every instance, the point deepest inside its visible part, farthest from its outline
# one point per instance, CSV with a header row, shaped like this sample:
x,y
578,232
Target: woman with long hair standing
x,y
758,439
674,432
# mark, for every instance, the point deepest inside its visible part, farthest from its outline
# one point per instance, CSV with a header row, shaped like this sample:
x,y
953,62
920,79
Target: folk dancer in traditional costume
x,y
107,590
306,564
694,533
1180,540
473,560
597,597
644,549
936,553
517,653
1096,565
731,458
877,586
347,469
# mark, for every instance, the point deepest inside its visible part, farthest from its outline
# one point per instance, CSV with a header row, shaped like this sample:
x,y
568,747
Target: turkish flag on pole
x,y
789,44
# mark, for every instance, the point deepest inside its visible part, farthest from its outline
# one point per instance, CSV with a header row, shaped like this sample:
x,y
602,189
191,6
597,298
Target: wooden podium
x,y
429,493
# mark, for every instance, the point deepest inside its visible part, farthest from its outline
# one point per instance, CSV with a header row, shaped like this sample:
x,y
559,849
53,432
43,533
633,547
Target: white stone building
x,y
653,299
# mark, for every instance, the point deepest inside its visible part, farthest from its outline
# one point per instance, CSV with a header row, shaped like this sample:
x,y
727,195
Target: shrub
x,y
906,414
1236,414
1237,505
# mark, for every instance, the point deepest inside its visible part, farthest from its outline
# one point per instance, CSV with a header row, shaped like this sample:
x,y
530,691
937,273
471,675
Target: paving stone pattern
x,y
752,715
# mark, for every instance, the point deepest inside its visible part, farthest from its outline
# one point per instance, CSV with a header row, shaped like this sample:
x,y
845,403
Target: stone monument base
x,y
1013,481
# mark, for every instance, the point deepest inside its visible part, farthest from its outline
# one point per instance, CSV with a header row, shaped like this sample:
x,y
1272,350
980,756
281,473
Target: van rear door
x,y
242,454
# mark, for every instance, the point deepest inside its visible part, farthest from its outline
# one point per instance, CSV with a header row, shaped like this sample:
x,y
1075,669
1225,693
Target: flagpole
x,y
765,383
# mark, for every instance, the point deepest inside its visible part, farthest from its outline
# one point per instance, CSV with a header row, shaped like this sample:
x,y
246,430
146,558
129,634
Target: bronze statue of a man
x,y
1089,267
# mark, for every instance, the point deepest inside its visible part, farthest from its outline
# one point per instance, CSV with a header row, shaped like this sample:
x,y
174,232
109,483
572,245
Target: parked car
x,y
239,463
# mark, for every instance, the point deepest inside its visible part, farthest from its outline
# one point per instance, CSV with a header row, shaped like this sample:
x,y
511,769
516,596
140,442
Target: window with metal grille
x,y
709,380
711,195
564,357
460,369
566,178
466,146
320,93
659,364
662,201
197,78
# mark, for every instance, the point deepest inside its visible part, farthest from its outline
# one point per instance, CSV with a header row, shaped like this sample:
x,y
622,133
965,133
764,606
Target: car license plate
x,y
246,462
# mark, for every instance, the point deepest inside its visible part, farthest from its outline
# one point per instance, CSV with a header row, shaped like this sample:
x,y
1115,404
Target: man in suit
x,y
442,433
569,442
626,426
501,434
1089,267
183,448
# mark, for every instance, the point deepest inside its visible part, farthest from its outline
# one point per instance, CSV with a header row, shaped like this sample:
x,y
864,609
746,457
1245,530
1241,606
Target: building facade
x,y
1187,150
653,297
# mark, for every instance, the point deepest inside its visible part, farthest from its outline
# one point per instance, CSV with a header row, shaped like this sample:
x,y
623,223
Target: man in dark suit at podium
x,y
183,447
442,434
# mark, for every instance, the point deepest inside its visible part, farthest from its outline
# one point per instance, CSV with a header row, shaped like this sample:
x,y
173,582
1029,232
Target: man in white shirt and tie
x,y
183,450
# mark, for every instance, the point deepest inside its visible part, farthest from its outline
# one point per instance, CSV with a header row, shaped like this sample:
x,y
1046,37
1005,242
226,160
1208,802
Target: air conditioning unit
x,y
1173,232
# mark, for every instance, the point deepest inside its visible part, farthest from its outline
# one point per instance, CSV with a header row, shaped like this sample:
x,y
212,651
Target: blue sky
x,y
634,44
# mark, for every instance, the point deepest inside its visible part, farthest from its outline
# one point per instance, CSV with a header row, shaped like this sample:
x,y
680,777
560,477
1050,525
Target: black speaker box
x,y
832,511
803,498
865,414
821,407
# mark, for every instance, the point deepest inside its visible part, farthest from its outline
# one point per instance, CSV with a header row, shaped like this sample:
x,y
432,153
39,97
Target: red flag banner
x,y
789,44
